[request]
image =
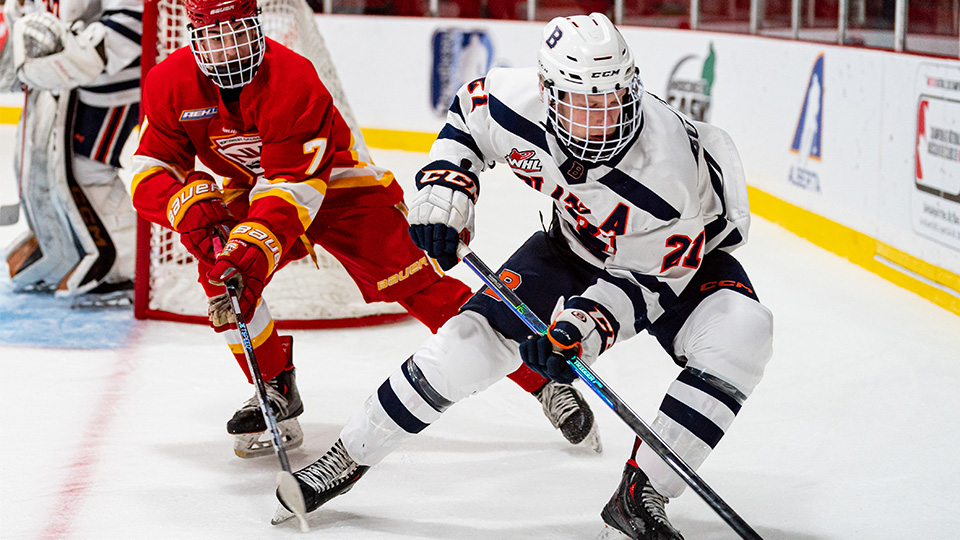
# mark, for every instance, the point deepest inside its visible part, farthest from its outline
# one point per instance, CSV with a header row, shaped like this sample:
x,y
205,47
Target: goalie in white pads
x,y
81,67
647,208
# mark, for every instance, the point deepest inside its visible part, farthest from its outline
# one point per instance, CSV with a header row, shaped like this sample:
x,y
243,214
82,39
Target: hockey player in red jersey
x,y
295,176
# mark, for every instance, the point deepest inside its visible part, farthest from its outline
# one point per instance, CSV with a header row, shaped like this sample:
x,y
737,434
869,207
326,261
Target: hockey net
x,y
299,295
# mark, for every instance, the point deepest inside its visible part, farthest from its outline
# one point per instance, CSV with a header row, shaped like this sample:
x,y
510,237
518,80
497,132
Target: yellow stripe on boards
x,y
389,139
861,250
10,115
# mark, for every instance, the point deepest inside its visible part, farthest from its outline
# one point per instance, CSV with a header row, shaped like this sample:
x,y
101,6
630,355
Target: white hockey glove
x,y
439,217
51,54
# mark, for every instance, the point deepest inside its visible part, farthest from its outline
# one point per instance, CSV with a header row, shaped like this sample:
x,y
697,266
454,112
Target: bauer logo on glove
x,y
186,197
231,246
263,238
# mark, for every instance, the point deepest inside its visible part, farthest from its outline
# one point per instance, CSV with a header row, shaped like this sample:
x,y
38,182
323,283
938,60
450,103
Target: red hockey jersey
x,y
282,147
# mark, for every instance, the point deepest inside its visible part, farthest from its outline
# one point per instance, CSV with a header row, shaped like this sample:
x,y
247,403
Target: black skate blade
x,y
289,492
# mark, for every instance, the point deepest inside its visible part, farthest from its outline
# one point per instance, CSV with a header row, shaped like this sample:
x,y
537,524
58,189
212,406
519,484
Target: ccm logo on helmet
x,y
609,73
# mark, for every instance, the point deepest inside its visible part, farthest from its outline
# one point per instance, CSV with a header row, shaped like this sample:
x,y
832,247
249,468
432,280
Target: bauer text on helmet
x,y
226,38
590,84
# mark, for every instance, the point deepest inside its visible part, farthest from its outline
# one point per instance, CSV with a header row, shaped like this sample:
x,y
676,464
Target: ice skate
x,y
251,438
636,510
331,475
566,409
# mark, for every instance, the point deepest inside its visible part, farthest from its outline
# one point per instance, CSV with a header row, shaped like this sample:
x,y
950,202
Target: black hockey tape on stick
x,y
629,417
287,486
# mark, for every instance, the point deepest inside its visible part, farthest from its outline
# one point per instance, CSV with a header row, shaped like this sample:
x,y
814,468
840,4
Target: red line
x,y
81,472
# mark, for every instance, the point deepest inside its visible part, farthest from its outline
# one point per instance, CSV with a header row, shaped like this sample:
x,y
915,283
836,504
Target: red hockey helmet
x,y
226,38
207,12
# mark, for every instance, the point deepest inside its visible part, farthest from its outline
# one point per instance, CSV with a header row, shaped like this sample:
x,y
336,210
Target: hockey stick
x,y
607,394
286,483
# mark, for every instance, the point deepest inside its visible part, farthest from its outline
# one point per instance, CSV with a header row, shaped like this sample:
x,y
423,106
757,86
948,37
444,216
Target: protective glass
x,y
229,52
595,127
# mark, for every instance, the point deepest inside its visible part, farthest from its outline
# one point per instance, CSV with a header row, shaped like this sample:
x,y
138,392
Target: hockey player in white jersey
x,y
647,207
80,62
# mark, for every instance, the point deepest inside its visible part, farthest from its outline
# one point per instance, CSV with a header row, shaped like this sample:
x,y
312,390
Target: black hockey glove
x,y
439,241
538,354
582,329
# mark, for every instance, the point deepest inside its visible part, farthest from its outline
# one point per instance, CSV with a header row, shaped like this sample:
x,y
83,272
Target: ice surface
x,y
115,428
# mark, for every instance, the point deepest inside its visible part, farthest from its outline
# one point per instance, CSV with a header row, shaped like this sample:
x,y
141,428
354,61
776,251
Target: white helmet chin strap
x,y
229,53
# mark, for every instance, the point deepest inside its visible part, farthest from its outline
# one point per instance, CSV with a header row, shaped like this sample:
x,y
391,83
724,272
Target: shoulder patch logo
x,y
523,161
809,132
198,114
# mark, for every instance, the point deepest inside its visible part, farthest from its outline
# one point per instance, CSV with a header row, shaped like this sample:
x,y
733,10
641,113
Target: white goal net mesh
x,y
299,291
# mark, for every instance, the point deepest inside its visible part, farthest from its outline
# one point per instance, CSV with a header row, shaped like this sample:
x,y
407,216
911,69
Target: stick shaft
x,y
268,416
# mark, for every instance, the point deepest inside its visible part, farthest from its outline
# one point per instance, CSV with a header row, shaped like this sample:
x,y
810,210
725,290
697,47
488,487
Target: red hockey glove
x,y
247,261
197,212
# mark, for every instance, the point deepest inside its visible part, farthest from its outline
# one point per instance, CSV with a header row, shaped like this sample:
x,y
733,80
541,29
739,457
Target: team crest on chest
x,y
523,160
244,150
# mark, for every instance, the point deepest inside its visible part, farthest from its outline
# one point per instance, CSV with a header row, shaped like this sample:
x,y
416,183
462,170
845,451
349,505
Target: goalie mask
x,y
590,85
226,38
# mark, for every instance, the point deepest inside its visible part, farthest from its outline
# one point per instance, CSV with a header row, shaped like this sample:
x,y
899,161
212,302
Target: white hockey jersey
x,y
645,218
119,84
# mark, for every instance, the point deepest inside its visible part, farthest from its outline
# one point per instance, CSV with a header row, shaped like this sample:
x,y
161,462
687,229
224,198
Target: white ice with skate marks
x,y
851,434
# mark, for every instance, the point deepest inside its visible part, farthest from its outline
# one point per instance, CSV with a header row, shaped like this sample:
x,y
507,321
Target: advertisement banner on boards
x,y
808,135
690,83
935,205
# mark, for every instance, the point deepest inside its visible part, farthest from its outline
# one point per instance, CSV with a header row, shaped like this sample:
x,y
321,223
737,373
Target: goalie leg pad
x,y
108,197
45,199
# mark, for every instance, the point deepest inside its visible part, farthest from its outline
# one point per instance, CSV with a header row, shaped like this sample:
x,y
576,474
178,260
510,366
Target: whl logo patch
x,y
244,150
523,161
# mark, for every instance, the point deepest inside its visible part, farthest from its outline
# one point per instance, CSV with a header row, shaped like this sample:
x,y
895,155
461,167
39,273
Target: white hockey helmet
x,y
226,38
590,84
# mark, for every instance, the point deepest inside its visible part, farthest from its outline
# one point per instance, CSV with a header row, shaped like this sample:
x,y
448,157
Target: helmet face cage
x,y
595,127
229,52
